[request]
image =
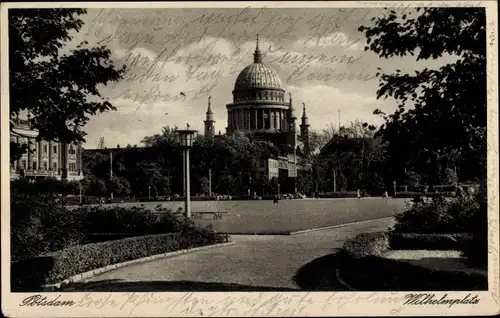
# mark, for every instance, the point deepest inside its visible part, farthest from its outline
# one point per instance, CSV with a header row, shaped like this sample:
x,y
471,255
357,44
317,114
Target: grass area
x,y
249,217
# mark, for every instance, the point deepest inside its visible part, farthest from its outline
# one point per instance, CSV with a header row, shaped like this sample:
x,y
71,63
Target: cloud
x,y
339,40
324,102
208,66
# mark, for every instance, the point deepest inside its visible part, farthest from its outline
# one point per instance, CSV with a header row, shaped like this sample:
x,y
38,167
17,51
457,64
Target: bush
x,y
476,250
437,216
32,273
40,224
367,244
44,185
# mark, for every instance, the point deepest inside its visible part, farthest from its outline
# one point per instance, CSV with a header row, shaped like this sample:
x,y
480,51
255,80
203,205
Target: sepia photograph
x,y
249,147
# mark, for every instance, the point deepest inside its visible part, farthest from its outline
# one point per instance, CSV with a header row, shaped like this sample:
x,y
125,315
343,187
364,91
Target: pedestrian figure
x,y
359,194
275,199
385,195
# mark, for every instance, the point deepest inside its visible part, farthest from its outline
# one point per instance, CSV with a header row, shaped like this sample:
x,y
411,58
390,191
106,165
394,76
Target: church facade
x,y
260,108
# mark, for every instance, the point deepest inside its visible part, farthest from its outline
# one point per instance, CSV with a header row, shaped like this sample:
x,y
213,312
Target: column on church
x,y
40,157
66,157
59,157
237,119
78,158
263,118
50,154
242,118
271,119
30,159
80,164
256,119
16,163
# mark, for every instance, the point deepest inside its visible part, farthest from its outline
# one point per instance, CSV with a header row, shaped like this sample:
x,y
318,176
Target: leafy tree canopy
x,y
439,110
58,91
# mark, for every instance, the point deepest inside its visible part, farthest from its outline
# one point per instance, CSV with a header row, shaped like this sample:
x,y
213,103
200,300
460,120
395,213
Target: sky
x,y
317,53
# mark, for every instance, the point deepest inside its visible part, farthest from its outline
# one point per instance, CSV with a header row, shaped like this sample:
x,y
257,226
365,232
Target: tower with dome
x,y
261,109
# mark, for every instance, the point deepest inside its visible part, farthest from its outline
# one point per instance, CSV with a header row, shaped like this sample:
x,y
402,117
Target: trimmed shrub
x,y
32,273
367,244
413,241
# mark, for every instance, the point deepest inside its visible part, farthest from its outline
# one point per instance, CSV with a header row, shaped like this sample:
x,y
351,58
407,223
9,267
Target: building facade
x,y
44,158
260,108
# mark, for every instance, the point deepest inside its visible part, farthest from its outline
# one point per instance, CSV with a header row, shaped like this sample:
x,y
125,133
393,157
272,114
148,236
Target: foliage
x,y
449,176
441,116
367,244
412,179
40,224
438,216
45,185
48,269
357,157
477,249
58,90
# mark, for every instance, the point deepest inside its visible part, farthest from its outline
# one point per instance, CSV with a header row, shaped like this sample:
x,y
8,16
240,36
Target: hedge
x,y
40,224
32,273
367,244
415,194
412,241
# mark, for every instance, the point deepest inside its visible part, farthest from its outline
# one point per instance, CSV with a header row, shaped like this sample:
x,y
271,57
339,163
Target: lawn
x,y
288,215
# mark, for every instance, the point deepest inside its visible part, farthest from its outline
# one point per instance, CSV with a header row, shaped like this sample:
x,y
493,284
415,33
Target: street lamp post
x,y
186,137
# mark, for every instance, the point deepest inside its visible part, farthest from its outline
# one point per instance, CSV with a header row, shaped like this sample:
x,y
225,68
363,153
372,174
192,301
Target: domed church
x,y
259,109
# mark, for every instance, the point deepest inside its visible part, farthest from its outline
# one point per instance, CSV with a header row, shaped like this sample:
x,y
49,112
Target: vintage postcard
x,y
237,159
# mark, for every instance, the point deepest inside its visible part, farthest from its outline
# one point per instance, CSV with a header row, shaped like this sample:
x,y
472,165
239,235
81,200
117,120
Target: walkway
x,y
253,263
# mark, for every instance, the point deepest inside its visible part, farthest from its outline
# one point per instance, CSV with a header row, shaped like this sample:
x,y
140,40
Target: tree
x,y
119,186
58,91
438,109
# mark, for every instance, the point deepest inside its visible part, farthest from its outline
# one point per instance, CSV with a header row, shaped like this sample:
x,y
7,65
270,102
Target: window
x,y
54,166
23,164
72,166
34,165
45,165
54,149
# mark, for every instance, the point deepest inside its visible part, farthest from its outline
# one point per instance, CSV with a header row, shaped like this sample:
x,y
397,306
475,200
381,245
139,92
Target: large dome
x,y
257,75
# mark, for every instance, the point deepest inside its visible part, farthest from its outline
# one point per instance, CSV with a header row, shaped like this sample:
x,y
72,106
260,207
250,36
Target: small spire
x,y
209,110
304,115
257,56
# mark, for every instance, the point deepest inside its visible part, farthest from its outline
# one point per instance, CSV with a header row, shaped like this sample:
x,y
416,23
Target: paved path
x,y
253,263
